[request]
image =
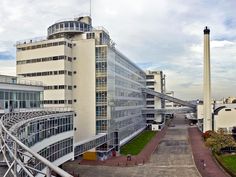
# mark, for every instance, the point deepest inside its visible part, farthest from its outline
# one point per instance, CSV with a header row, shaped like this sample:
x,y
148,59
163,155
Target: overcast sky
x,y
165,35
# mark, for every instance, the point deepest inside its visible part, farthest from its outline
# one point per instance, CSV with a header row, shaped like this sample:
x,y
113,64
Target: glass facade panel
x,y
11,100
119,97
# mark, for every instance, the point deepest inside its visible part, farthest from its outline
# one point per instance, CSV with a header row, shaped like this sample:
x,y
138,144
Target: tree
x,y
220,140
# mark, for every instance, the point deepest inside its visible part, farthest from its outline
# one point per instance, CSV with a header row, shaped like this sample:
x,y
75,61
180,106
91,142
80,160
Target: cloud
x,y
155,34
5,56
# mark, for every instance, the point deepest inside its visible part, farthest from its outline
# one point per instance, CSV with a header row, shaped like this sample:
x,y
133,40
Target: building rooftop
x,y
5,79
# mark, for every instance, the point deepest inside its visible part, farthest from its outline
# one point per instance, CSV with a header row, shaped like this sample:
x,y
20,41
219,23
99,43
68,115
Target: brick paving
x,y
141,158
170,156
201,152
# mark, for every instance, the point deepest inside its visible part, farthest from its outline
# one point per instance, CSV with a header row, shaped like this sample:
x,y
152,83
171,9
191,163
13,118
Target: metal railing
x,y
32,40
19,80
14,151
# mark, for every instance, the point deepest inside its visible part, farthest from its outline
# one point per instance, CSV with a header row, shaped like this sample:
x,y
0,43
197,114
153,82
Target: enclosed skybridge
x,y
169,98
168,110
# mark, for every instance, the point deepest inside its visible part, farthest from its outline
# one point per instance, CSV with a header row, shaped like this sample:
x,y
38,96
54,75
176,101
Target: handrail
x,y
47,163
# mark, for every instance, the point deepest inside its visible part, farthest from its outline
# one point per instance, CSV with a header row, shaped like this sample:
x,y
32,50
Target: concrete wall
x,y
225,119
85,106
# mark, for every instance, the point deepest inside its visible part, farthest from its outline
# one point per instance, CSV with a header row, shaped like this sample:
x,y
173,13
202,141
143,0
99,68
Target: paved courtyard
x,y
173,158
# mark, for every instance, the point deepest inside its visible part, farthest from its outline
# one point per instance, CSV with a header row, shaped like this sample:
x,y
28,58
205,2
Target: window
x,y
55,58
74,86
62,72
55,43
74,72
61,86
150,102
74,58
90,35
75,100
150,96
69,87
62,43
71,25
227,109
70,45
61,101
149,76
150,83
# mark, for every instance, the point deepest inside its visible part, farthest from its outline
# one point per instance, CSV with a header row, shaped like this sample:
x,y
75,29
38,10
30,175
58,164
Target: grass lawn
x,y
137,144
229,162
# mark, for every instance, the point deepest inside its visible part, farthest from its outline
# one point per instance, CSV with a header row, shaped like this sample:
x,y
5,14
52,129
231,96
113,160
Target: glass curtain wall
x,y
11,100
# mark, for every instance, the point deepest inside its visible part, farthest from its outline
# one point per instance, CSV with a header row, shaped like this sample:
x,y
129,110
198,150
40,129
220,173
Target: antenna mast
x,y
90,8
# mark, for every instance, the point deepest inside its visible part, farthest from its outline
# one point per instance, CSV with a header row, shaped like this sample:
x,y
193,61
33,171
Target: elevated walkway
x,y
167,110
169,98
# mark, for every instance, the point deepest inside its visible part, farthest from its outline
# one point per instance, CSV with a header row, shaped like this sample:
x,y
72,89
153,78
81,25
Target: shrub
x,y
207,134
217,141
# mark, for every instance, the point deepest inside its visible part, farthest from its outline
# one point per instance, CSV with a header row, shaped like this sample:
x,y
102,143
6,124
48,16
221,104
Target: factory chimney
x,y
207,108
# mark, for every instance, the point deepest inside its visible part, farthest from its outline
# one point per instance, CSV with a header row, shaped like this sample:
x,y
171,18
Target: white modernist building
x,y
223,117
155,80
81,69
169,104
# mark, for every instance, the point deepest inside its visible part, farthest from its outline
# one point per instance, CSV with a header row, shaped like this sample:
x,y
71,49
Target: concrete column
x,y
207,108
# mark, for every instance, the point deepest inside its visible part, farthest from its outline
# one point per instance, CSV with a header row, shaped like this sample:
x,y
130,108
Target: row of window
x,y
131,129
149,96
124,113
127,93
55,151
129,66
38,130
89,145
51,44
149,76
68,26
126,84
60,87
57,101
129,75
45,59
150,102
47,73
150,83
127,102
127,122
